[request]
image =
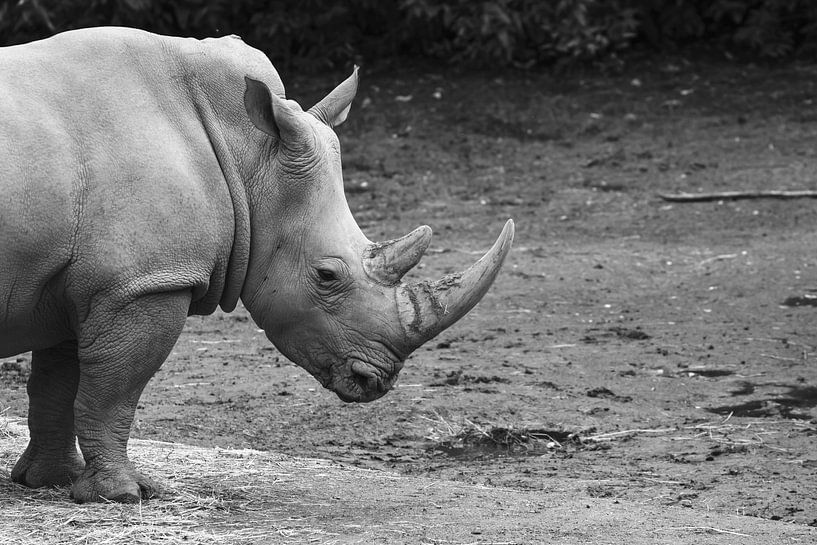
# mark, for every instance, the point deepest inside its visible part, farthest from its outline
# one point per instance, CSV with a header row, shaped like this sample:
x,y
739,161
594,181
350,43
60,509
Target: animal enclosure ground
x,y
662,353
236,497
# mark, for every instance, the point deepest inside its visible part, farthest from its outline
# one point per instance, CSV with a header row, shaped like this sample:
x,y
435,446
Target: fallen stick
x,y
705,529
735,195
614,434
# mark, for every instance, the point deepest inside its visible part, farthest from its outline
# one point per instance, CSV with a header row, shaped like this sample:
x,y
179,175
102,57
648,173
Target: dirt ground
x,y
217,496
664,353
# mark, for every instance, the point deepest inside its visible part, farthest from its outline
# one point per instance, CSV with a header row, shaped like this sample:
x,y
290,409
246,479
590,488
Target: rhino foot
x,y
37,468
122,485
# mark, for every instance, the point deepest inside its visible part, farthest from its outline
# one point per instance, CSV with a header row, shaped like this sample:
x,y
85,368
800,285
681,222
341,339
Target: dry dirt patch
x,y
249,496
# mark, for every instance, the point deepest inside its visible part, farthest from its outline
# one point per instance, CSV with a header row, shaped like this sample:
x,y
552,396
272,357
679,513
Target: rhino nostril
x,y
365,377
361,381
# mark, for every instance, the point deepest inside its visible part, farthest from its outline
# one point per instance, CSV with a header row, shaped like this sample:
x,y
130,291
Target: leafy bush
x,y
768,28
521,32
314,32
319,33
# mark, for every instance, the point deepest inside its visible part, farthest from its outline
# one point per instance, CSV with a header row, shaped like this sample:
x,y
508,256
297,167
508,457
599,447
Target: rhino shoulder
x,y
226,60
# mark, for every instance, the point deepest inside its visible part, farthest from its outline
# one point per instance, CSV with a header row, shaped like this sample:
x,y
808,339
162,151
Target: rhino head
x,y
329,299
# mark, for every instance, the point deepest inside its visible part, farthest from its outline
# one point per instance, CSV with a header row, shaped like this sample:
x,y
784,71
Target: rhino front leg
x,y
51,457
120,348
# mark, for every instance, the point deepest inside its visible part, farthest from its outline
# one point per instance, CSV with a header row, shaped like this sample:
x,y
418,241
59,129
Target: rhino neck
x,y
216,86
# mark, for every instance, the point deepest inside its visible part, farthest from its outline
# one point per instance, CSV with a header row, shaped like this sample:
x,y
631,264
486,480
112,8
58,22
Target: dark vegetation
x,y
520,33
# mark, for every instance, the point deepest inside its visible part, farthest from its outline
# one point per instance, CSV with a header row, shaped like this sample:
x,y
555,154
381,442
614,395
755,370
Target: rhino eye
x,y
327,275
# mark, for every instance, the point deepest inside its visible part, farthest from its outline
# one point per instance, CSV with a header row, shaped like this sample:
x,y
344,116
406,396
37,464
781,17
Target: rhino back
x,y
108,176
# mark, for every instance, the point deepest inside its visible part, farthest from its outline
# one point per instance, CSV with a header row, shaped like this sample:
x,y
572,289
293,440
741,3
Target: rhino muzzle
x,y
361,382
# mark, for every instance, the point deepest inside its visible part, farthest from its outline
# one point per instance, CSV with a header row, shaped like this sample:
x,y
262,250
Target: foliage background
x,y
521,33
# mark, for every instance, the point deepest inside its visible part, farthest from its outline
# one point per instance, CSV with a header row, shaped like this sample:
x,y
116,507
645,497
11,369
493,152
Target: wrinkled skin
x,y
145,178
308,298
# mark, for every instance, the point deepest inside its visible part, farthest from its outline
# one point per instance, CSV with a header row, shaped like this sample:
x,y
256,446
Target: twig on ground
x,y
717,258
662,481
478,428
705,529
781,358
614,434
735,195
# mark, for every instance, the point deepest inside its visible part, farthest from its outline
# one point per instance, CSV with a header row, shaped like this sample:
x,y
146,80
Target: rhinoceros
x,y
145,178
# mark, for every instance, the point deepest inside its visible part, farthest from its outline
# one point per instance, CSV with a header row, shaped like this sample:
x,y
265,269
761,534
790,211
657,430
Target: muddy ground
x,y
664,352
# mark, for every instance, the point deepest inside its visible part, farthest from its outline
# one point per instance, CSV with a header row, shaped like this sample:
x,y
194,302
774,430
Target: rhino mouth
x,y
360,382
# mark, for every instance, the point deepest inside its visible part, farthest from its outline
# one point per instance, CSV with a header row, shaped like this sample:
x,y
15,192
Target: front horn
x,y
426,308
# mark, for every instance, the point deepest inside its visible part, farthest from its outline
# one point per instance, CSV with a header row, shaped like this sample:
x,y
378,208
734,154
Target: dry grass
x,y
463,433
236,497
198,505
724,432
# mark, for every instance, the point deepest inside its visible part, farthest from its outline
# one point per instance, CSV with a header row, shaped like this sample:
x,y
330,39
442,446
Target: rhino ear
x,y
258,103
273,115
335,106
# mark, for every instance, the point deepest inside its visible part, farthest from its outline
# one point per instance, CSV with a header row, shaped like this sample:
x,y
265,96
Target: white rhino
x,y
145,178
